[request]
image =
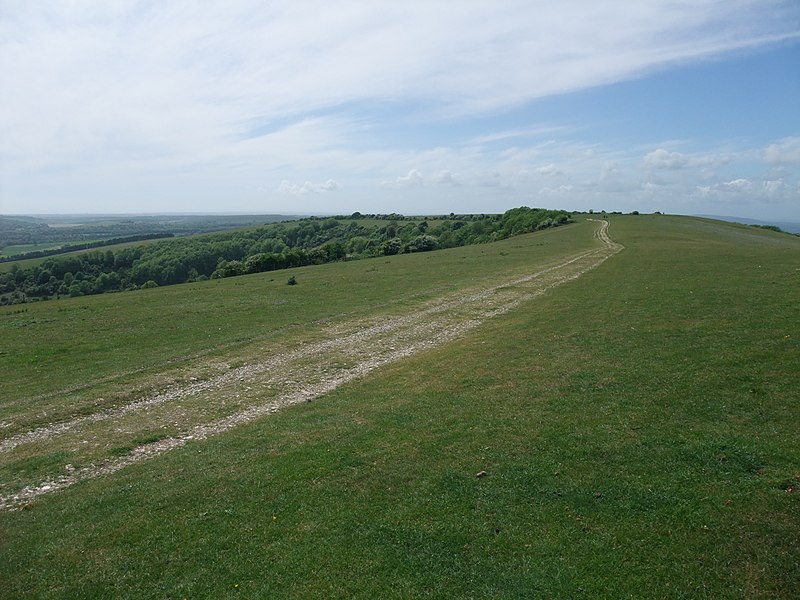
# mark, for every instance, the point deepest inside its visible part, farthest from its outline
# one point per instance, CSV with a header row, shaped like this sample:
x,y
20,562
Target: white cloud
x,y
785,151
664,159
774,186
533,132
413,179
331,186
98,78
307,187
549,169
290,188
737,184
609,171
446,178
179,99
749,191
559,192
494,179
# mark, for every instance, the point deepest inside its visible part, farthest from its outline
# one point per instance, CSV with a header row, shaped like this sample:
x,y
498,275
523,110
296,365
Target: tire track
x,y
367,346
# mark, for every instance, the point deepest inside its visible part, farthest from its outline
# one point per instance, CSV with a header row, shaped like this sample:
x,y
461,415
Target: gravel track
x,y
307,372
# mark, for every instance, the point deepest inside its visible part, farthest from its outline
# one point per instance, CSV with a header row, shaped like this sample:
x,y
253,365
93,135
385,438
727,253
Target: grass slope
x,y
55,347
638,429
25,263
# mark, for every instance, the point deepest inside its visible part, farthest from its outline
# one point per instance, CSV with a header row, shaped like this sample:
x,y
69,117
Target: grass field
x,y
638,428
25,263
23,248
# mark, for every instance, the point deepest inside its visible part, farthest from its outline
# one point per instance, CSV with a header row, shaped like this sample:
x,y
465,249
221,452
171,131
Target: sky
x,y
415,107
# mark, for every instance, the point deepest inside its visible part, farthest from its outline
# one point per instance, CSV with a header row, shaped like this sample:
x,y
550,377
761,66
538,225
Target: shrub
x,y
424,243
392,246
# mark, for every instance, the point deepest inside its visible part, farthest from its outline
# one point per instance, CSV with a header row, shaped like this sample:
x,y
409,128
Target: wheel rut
x,y
348,351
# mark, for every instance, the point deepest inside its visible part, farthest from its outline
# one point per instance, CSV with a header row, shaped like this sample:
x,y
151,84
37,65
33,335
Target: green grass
x,y
25,263
10,251
638,427
60,348
22,248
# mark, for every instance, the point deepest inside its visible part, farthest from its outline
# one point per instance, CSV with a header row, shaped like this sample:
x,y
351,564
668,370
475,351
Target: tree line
x,y
85,246
309,241
21,230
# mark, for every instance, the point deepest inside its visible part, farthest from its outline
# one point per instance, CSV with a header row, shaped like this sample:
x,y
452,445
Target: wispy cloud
x,y
243,92
543,131
307,187
663,159
549,169
784,152
446,178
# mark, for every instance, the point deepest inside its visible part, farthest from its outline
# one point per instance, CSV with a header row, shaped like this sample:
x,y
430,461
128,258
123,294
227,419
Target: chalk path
x,y
350,350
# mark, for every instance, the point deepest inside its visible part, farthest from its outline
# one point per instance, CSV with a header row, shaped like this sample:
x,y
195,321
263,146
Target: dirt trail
x,y
348,351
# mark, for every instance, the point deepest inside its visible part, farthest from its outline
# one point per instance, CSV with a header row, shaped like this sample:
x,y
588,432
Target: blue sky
x,y
412,107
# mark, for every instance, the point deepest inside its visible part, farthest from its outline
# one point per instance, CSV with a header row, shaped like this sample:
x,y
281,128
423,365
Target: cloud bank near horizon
x,y
178,102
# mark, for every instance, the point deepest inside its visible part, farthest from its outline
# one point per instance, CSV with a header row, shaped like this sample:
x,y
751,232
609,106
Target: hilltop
x,y
125,265
578,411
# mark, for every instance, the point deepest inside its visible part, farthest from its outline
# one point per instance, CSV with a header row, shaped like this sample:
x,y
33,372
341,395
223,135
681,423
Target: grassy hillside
x,y
638,428
310,241
26,263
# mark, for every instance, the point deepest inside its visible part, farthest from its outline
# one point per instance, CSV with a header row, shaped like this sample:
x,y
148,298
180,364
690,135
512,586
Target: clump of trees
x,y
310,241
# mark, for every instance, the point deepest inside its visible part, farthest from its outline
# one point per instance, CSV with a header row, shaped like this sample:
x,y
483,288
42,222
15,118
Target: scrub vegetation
x,y
311,241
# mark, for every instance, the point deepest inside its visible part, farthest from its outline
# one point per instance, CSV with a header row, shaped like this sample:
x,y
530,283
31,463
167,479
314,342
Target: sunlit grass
x,y
638,429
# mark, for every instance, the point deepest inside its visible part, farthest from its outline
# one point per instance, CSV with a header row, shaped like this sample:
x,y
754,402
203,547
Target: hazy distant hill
x,y
790,226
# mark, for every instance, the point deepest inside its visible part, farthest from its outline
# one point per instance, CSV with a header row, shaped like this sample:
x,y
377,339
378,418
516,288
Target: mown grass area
x,y
25,263
80,352
639,430
22,248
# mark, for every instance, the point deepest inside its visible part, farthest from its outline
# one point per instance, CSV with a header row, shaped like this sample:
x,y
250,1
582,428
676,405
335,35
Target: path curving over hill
x,y
347,351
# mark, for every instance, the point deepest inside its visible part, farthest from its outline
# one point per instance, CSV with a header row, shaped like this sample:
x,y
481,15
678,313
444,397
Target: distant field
x,y
29,262
22,248
51,231
632,430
